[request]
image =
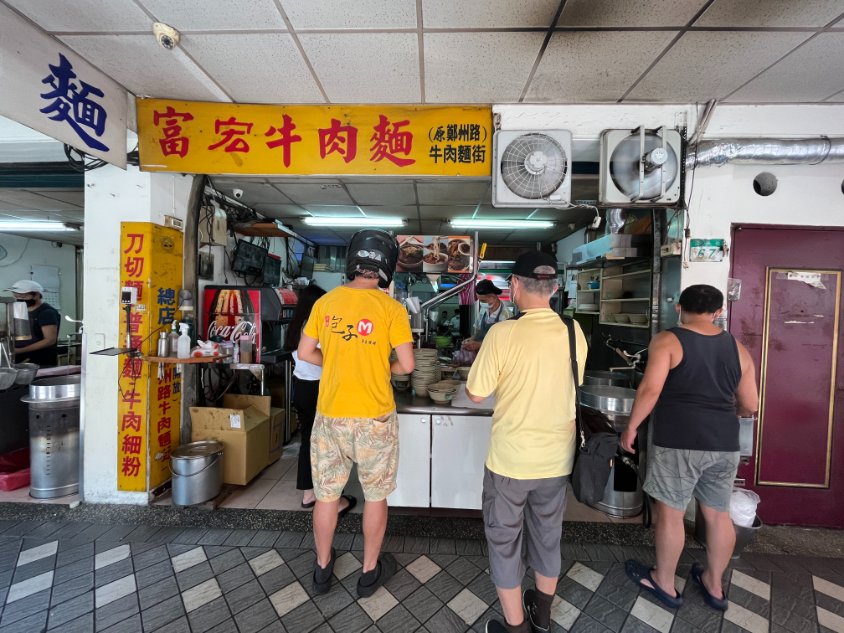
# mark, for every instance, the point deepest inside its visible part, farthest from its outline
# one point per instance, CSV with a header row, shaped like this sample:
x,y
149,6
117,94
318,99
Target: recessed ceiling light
x,y
477,223
356,221
36,226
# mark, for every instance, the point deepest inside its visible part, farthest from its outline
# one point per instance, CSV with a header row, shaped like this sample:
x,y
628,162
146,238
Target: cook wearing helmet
x,y
356,326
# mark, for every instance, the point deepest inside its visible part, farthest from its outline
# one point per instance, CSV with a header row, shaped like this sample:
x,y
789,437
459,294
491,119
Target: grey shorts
x,y
517,508
674,475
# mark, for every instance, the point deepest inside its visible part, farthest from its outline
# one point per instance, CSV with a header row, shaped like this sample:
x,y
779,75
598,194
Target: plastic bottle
x,y
173,341
184,341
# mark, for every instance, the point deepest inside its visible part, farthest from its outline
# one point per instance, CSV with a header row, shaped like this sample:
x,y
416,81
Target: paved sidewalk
x,y
79,576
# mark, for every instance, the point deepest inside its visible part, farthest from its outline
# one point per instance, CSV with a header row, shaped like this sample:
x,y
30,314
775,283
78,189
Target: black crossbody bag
x,y
595,449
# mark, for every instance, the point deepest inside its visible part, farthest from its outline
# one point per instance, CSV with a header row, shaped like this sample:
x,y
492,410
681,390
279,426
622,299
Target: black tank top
x,y
697,407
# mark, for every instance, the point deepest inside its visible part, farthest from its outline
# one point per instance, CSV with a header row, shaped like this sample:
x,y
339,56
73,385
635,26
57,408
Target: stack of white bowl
x,y
443,391
427,370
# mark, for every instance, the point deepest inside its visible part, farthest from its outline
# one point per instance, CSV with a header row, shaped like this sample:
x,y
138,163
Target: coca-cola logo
x,y
233,332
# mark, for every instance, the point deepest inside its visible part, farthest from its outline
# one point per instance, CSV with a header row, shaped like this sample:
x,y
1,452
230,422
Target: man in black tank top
x,y
699,379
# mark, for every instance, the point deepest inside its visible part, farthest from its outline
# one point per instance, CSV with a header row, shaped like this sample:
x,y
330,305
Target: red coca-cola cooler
x,y
232,312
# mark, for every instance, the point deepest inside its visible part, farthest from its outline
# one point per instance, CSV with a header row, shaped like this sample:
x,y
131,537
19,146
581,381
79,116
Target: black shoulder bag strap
x,y
575,375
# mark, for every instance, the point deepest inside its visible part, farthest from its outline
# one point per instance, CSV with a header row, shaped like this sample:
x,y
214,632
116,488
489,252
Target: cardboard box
x,y
276,434
243,426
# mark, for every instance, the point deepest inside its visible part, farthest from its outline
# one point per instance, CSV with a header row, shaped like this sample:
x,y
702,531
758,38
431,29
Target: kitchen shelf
x,y
637,273
625,300
193,360
624,324
584,312
590,290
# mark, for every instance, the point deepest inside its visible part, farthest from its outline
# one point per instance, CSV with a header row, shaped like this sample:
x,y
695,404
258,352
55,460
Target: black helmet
x,y
375,250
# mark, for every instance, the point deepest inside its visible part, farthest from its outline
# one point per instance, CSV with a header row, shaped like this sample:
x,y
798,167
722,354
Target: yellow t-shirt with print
x,y
356,329
526,362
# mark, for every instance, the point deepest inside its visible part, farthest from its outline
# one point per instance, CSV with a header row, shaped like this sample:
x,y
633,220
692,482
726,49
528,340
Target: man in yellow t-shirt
x,y
356,327
526,362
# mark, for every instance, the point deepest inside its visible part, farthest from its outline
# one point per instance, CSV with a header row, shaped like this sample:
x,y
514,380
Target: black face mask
x,y
30,302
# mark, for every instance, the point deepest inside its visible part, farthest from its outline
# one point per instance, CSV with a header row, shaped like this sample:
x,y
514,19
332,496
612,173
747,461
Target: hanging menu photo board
x,y
435,254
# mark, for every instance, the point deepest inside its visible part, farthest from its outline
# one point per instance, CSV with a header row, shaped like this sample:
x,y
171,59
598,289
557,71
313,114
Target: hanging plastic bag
x,y
743,507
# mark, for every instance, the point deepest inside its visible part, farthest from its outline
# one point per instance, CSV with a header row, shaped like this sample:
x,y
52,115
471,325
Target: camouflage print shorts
x,y
371,443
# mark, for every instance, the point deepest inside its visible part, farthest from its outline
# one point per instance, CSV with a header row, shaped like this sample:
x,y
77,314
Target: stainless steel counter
x,y
406,402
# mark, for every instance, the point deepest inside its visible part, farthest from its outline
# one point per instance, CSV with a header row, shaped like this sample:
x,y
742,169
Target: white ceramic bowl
x,y
463,372
441,396
622,318
609,318
638,319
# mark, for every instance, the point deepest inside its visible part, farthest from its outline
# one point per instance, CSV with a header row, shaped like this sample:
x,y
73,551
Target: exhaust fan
x,y
641,167
531,169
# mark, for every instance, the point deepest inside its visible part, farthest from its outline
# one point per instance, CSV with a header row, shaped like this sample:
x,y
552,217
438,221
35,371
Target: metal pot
x,y
608,399
26,373
58,388
197,472
607,378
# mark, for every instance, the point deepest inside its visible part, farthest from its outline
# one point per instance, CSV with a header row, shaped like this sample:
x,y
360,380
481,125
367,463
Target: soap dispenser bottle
x,y
184,341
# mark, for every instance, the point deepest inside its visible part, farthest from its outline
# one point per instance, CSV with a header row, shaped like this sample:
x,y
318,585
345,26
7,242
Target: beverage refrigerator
x,y
260,314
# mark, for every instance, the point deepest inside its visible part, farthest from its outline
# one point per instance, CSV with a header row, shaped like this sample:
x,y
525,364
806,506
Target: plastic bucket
x,y
743,534
197,472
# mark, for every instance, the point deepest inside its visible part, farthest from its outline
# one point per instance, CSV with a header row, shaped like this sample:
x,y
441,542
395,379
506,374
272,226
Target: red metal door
x,y
789,317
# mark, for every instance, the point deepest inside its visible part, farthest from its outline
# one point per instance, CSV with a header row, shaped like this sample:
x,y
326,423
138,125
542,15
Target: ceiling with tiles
x,y
447,51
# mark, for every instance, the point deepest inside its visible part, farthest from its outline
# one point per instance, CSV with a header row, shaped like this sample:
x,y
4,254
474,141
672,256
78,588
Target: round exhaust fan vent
x,y
534,165
660,164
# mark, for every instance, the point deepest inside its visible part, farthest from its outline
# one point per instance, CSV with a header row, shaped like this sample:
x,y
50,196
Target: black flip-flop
x,y
352,503
310,505
637,572
719,604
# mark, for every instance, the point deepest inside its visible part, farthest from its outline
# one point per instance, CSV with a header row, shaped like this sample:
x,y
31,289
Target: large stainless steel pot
x,y
608,399
607,378
54,436
58,388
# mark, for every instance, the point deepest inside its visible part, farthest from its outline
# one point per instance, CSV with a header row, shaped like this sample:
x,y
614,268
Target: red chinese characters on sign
x,y
131,466
172,143
342,139
231,132
285,138
388,140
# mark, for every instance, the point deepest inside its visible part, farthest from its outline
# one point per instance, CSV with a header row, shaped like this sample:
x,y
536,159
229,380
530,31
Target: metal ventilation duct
x,y
765,151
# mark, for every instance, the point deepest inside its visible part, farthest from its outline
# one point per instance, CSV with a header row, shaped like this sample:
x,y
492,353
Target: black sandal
x,y
637,572
352,503
719,604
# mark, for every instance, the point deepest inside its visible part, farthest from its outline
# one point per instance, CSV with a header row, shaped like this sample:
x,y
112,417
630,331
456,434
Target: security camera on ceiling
x,y
167,36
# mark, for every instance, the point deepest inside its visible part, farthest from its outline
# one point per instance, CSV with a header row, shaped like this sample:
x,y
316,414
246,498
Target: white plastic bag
x,y
743,507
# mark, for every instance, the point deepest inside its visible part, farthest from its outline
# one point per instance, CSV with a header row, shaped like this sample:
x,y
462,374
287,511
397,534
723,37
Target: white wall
x,y
22,253
113,196
806,195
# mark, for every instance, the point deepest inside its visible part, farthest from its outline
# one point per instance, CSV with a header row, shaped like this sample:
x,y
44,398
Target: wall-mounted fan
x,y
640,167
531,169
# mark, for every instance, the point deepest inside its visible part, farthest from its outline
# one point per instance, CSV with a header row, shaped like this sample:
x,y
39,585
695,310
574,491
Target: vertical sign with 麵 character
x,y
149,398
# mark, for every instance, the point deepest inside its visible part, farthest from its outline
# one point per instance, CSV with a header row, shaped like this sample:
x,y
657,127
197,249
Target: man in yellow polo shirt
x,y
356,327
526,362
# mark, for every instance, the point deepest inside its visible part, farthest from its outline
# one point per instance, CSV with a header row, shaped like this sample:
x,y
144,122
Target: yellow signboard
x,y
393,140
149,402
